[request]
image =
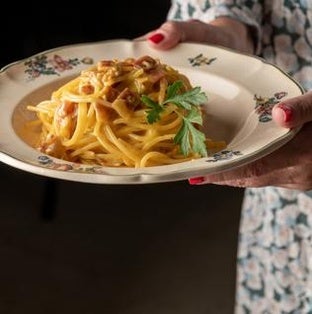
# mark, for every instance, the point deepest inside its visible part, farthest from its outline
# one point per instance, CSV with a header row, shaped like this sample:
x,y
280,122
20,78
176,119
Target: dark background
x,y
31,27
68,247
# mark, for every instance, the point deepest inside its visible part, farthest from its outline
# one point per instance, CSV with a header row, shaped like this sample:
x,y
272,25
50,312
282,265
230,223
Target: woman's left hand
x,y
290,166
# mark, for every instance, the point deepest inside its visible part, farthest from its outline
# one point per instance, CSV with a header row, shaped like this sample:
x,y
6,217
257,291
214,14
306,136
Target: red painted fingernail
x,y
197,180
156,38
287,111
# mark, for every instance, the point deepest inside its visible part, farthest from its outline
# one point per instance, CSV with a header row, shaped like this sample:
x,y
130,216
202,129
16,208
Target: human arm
x,y
291,165
224,31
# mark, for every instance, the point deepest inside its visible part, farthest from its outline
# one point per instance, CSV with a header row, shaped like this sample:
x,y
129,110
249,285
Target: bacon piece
x,y
66,108
103,113
52,146
146,62
104,64
110,93
130,97
87,89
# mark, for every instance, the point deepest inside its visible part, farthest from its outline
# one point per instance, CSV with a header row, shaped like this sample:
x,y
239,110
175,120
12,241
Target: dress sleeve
x,y
248,12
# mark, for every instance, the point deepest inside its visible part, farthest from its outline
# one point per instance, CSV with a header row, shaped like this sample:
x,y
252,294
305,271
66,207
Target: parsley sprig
x,y
189,138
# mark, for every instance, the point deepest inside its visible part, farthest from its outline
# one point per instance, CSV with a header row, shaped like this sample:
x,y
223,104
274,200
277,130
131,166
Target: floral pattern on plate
x,y
51,65
264,105
235,114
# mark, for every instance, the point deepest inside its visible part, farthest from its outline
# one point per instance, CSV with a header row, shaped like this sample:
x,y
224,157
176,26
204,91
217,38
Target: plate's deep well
x,y
241,92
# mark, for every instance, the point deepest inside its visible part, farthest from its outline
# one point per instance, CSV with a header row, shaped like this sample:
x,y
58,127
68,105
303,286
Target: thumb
x,y
293,112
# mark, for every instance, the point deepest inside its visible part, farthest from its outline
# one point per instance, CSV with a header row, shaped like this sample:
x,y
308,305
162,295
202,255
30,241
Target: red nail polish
x,y
288,113
197,180
156,38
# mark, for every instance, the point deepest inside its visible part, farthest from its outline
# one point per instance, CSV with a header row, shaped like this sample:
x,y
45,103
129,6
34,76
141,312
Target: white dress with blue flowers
x,y
274,269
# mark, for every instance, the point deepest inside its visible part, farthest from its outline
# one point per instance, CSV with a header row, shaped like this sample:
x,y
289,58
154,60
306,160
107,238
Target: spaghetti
x,y
102,118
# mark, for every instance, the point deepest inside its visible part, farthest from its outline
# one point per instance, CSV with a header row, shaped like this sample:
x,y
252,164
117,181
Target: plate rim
x,y
143,176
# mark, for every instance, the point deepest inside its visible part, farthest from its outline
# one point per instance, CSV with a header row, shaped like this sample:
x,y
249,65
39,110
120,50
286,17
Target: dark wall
x,y
29,28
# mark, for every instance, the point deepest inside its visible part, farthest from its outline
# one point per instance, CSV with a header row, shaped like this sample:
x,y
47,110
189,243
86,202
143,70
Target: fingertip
x,y
283,115
156,38
167,36
196,180
162,41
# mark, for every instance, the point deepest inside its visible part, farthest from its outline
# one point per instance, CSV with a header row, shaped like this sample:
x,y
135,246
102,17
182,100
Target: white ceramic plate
x,y
241,91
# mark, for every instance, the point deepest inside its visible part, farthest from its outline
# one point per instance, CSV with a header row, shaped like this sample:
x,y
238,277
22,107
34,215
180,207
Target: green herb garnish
x,y
189,138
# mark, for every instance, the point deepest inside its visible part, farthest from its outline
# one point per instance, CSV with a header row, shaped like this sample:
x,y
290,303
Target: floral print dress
x,y
274,268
